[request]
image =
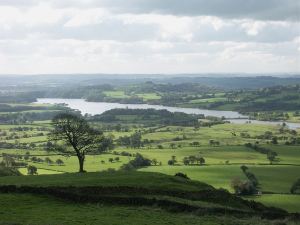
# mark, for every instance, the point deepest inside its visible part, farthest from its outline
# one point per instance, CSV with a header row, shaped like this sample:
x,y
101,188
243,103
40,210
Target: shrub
x,y
243,187
138,162
171,162
295,187
5,171
182,175
32,170
59,162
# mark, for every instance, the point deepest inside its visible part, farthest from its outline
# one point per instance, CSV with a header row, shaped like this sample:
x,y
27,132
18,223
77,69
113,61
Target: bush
x,y
171,162
127,167
111,170
295,187
5,171
243,188
32,170
182,175
59,162
138,162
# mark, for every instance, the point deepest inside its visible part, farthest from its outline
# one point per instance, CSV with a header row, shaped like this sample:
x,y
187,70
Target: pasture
x,y
222,161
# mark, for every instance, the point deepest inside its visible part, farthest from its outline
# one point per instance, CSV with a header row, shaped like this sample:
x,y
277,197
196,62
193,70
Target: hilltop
x,y
169,199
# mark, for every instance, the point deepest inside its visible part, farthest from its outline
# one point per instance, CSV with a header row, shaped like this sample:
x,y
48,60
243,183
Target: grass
x,y
212,155
30,209
208,100
288,154
30,139
116,94
23,171
128,179
291,203
223,133
121,94
93,163
274,178
218,176
149,96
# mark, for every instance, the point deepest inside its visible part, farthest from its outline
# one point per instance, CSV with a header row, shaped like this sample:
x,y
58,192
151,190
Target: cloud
x,y
251,9
238,9
153,36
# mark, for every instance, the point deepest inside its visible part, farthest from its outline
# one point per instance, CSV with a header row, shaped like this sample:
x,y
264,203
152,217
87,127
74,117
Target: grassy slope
x,y
220,175
215,173
36,210
286,201
130,179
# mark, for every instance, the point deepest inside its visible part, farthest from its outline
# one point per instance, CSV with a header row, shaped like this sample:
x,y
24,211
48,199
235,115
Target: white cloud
x,y
59,37
254,27
87,17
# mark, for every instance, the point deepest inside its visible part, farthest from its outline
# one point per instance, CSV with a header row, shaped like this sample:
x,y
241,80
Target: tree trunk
x,y
81,162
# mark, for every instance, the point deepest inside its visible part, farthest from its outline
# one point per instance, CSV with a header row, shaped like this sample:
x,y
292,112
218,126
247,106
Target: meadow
x,y
222,160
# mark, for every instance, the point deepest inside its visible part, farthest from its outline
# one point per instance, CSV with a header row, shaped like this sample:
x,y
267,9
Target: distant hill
x,y
225,81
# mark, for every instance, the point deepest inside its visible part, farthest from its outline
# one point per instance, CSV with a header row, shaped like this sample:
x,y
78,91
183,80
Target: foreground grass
x,y
291,203
128,179
37,207
273,178
35,210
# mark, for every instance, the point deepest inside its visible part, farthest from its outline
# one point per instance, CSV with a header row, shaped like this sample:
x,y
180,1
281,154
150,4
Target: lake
x,y
94,108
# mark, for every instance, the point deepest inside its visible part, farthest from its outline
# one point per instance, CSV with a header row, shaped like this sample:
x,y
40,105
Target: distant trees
x,y
110,160
160,147
117,159
59,162
154,162
271,156
136,140
200,160
186,161
172,145
48,161
7,160
274,140
214,143
137,162
172,161
26,157
295,187
133,141
182,175
31,170
249,187
77,133
191,160
195,144
11,161
150,116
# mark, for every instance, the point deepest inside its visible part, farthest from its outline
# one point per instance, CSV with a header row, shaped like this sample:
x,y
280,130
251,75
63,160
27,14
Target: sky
x,y
149,36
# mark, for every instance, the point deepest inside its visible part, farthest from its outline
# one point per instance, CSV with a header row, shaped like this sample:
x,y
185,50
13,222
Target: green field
x,y
207,100
116,94
222,161
149,96
286,201
123,95
36,210
220,176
